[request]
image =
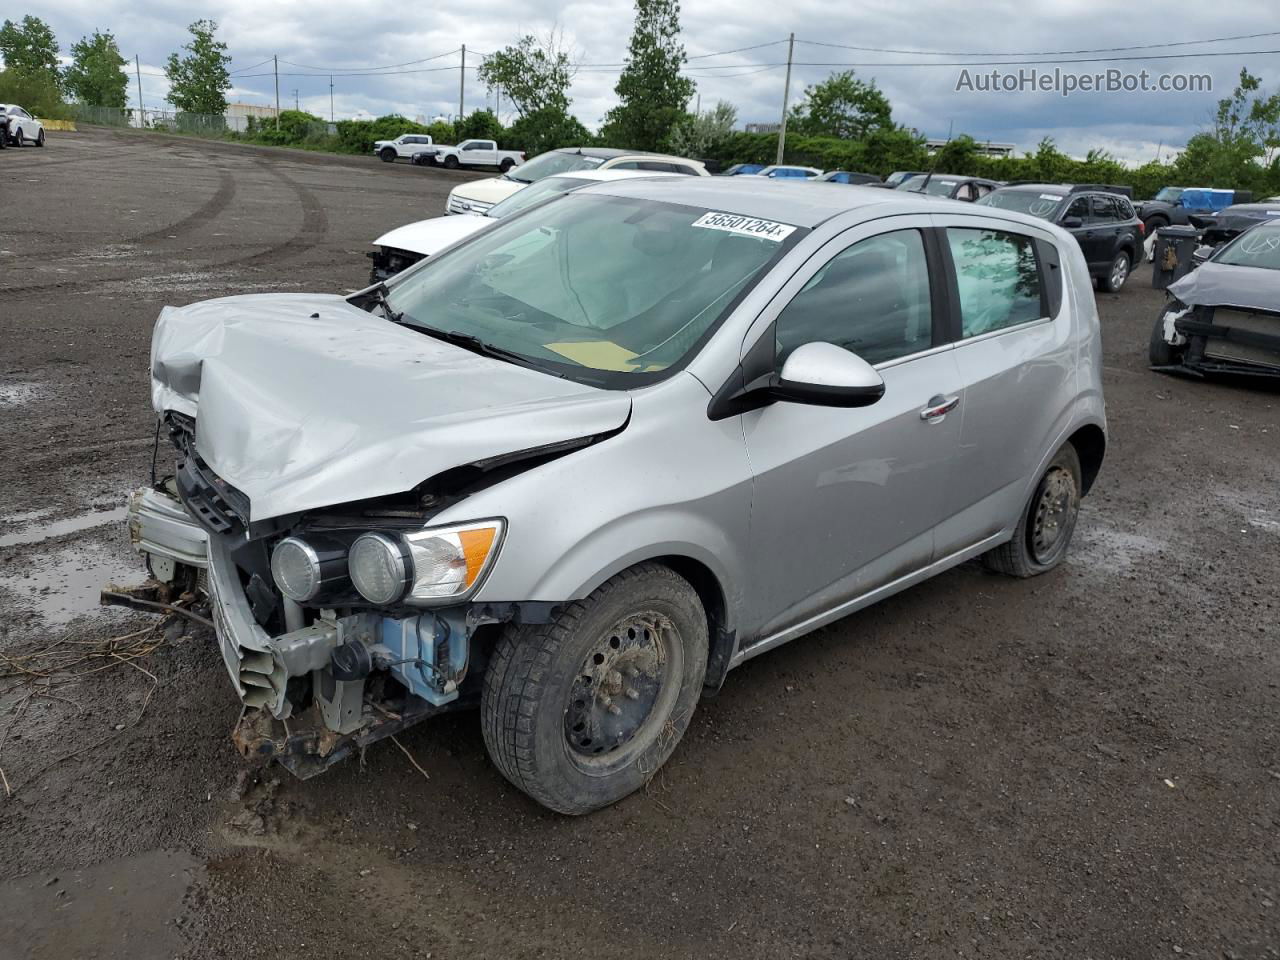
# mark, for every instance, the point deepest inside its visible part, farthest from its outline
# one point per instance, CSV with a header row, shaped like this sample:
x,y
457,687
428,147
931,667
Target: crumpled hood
x,y
1224,285
429,237
303,400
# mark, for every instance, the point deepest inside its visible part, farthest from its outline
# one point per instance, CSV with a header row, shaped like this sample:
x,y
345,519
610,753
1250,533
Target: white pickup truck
x,y
470,153
402,147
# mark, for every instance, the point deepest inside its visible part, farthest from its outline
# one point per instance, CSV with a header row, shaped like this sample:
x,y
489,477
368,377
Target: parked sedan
x,y
23,127
782,171
949,185
742,170
845,176
1224,316
578,467
402,247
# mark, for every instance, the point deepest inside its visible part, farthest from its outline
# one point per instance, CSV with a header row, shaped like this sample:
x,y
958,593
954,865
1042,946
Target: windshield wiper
x,y
378,295
473,343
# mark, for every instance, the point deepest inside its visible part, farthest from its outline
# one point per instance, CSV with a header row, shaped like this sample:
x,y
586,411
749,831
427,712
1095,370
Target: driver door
x,y
846,500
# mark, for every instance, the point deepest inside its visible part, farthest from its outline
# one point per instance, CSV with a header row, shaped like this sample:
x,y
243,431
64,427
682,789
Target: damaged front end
x,y
325,675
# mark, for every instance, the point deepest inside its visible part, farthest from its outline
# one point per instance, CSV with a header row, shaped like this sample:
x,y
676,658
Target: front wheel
x,y
451,162
1044,531
40,139
580,712
1160,352
506,164
1118,274
387,154
17,138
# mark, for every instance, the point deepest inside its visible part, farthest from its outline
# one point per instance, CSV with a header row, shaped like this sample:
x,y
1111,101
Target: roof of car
x,y
607,175
757,197
607,153
958,177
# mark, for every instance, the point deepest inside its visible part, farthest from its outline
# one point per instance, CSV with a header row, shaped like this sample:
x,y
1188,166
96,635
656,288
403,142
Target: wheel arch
x,y
1091,446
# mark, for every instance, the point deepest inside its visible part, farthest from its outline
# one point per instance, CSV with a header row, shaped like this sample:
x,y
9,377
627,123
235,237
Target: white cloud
x,y
343,37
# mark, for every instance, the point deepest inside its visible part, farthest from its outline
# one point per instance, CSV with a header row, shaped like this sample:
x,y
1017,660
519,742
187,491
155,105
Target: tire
x,y
1161,353
40,139
506,164
17,138
451,162
1117,273
387,154
547,710
1028,554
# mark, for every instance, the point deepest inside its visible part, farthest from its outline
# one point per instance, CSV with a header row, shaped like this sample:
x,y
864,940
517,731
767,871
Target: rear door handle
x,y
939,407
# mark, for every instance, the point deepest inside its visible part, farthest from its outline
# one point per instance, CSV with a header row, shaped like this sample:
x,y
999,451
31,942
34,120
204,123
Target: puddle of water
x,y
120,908
67,583
16,394
58,528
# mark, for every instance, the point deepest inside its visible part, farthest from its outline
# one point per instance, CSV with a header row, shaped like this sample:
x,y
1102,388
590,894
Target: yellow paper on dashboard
x,y
597,354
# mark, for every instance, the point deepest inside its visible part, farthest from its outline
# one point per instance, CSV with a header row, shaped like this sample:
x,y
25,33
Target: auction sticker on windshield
x,y
746,226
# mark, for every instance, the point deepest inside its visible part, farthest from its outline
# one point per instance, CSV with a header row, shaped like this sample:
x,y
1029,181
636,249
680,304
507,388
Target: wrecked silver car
x,y
579,465
1224,316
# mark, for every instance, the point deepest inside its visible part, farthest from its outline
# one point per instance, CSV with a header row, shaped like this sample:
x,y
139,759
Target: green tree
x,y
95,76
703,134
652,91
30,49
480,125
199,81
533,74
545,130
841,106
36,92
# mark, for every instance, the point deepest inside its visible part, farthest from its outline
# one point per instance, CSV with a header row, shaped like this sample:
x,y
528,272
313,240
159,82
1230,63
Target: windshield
x,y
936,187
1259,247
549,164
546,187
1168,194
1037,204
604,290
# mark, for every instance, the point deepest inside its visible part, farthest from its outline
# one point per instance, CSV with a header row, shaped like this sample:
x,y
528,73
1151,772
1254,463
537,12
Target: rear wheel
x,y
387,154
1044,531
1117,274
581,712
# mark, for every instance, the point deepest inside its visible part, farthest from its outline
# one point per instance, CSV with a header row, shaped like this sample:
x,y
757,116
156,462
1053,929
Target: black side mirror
x,y
1072,223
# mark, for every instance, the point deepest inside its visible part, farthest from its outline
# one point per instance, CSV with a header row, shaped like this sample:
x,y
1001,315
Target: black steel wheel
x,y
451,162
388,154
581,712
1044,531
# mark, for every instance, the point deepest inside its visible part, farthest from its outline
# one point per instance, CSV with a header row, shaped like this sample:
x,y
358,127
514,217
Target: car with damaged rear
x,y
575,468
1223,318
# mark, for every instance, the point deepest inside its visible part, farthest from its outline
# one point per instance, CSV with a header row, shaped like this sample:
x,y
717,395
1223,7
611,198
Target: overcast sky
x,y
347,36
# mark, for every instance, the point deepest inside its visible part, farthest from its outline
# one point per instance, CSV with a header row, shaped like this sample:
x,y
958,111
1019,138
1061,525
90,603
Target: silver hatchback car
x,y
578,466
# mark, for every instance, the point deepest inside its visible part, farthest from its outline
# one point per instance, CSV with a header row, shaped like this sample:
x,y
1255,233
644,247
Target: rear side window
x,y
1102,210
872,299
997,277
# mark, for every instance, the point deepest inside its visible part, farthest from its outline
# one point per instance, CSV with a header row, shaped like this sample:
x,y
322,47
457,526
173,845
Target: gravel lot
x,y
1083,765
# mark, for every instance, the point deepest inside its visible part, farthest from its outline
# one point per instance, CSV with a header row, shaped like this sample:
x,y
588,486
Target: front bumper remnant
x,y
161,528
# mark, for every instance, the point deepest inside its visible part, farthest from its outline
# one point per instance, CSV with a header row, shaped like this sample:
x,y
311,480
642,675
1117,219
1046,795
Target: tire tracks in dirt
x,y
310,233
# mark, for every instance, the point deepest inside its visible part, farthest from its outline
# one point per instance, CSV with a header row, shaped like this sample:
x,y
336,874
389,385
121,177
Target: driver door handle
x,y
938,408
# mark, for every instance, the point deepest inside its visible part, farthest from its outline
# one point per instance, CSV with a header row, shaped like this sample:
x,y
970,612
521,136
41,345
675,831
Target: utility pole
x,y
142,111
275,60
331,99
786,95
296,105
462,83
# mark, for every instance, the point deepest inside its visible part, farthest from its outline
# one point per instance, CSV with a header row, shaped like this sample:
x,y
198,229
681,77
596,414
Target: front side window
x,y
872,299
604,290
997,277
1101,210
1079,208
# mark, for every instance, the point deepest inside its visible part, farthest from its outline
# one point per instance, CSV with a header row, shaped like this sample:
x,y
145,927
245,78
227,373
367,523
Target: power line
x,y
386,66
1032,63
1038,53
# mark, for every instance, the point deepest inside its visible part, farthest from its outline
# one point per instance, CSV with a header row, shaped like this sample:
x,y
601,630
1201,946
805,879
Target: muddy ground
x,y
1081,765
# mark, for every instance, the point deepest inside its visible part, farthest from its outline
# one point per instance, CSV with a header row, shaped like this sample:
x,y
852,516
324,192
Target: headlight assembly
x,y
380,568
304,570
449,562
